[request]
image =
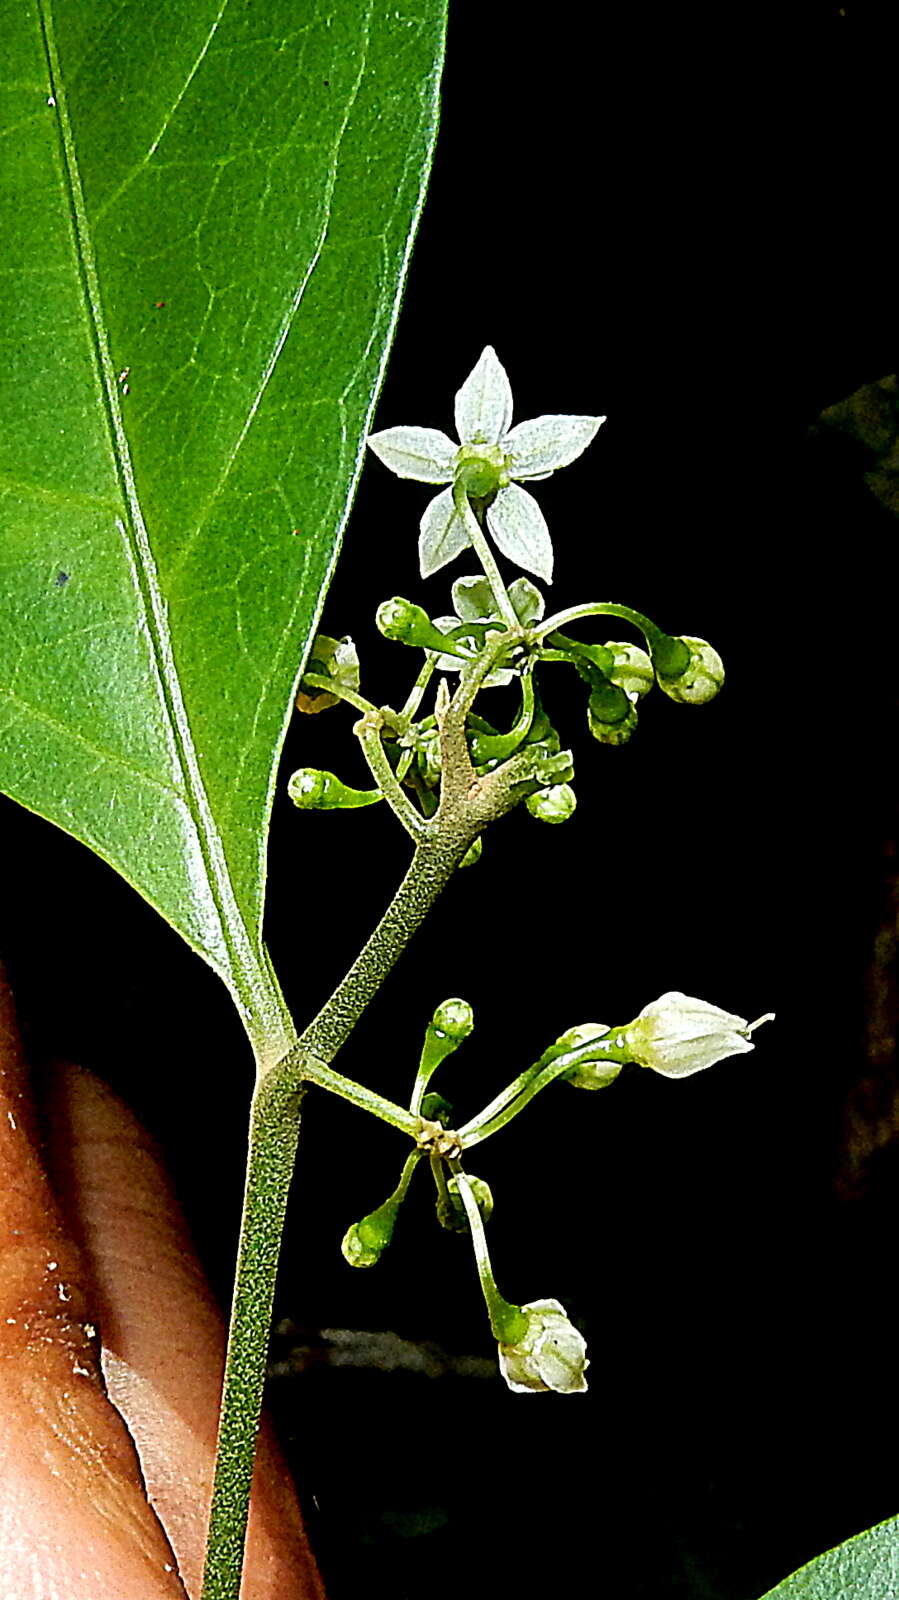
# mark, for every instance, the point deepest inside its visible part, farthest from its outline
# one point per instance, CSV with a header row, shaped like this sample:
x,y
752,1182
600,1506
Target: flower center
x,y
481,469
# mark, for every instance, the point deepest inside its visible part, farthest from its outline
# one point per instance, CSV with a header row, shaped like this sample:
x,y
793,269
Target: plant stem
x,y
274,1131
433,864
485,556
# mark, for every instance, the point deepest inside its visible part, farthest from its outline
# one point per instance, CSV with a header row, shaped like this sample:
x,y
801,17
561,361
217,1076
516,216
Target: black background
x,y
682,219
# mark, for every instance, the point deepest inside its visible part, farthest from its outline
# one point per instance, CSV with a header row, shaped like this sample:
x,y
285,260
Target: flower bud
x,y
610,730
313,790
409,624
556,804
365,1242
451,1213
632,670
592,1071
550,1355
455,1018
700,680
677,1035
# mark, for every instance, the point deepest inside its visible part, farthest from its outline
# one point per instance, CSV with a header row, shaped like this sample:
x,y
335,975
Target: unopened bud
x,y
313,790
593,1071
451,1213
700,679
613,730
454,1018
632,670
409,624
365,1242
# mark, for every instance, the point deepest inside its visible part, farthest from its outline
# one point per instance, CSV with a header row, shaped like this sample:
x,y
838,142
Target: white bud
x,y
550,1355
677,1035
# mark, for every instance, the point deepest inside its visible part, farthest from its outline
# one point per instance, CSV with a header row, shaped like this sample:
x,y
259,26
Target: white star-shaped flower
x,y
490,461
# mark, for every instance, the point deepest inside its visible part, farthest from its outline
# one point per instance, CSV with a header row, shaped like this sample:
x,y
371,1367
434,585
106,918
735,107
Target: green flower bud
x,y
473,853
699,680
409,624
551,1354
451,1213
592,1071
455,1018
556,804
615,731
632,670
313,790
365,1242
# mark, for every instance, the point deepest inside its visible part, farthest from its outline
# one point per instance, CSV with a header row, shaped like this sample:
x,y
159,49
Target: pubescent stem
x,y
368,732
485,556
274,1132
467,804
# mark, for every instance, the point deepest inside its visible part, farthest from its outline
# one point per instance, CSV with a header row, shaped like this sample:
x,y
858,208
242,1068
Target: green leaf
x,y
209,212
864,1568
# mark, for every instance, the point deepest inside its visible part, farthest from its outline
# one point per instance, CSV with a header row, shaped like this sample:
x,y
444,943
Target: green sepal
x,y
670,657
608,703
434,1108
364,1242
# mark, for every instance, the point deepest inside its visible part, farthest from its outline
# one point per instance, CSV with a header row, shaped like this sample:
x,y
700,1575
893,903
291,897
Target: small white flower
x,y
677,1035
551,1354
491,460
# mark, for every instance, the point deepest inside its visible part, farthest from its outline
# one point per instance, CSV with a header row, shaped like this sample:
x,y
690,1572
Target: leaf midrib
x,y
243,961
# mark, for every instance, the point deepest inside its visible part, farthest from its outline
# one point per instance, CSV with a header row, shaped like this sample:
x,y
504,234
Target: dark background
x,y
684,220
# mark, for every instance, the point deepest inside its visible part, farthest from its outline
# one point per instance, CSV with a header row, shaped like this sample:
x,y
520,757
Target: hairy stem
x,y
274,1132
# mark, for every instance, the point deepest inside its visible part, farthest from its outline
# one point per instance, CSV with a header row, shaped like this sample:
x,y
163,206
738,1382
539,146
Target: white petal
x,y
547,443
484,402
527,602
520,532
442,534
473,599
425,454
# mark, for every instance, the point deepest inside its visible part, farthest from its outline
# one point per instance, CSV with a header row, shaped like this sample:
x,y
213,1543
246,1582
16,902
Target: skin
x,y
111,1352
